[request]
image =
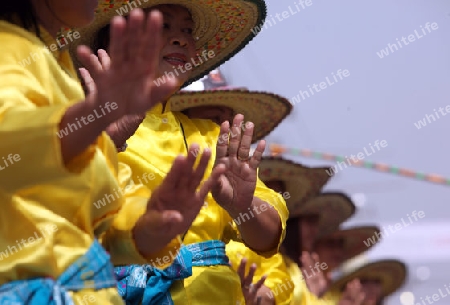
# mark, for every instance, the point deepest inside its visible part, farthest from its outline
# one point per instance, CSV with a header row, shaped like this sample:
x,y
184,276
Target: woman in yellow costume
x,y
296,183
266,110
53,236
222,27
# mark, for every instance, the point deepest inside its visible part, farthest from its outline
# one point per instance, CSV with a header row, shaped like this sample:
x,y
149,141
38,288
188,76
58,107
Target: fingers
x,y
152,40
187,172
259,283
255,160
314,257
222,143
173,176
235,136
105,60
353,292
246,141
213,179
199,172
305,258
88,81
135,34
118,41
249,278
241,270
89,61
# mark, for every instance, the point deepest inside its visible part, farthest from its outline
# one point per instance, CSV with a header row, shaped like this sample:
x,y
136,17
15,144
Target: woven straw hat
x,y
333,209
356,240
265,110
301,182
221,26
392,274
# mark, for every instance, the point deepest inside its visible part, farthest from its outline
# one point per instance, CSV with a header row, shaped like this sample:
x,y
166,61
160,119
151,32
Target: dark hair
x,y
102,39
292,242
21,11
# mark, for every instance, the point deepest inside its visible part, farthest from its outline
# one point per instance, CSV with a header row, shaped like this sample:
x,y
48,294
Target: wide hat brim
x,y
221,26
392,274
333,209
301,182
265,110
357,240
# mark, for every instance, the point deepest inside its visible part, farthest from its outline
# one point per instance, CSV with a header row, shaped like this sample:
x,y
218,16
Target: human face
x,y
178,45
54,14
373,290
309,228
331,251
217,114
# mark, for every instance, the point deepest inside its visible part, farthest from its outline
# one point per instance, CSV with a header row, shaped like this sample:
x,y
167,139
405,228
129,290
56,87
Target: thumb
x,y
213,181
88,81
169,223
162,88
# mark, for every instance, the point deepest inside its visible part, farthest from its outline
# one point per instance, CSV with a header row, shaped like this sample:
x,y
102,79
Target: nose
x,y
178,40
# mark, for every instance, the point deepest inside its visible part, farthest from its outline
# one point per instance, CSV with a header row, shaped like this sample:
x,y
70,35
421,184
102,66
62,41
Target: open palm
x,y
235,188
317,283
353,294
175,204
125,76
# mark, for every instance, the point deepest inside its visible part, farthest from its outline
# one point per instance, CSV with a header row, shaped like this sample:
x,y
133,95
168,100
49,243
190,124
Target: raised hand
x,y
121,130
353,294
251,291
315,279
174,205
235,188
126,77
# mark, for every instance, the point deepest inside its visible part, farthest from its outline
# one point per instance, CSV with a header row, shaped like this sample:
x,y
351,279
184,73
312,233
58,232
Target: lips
x,y
175,59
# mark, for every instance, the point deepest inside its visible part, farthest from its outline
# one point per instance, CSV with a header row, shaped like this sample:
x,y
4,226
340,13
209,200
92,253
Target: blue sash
x,y
93,270
150,285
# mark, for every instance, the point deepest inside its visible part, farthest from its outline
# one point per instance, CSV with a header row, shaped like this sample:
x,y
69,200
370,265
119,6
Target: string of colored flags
x,y
276,149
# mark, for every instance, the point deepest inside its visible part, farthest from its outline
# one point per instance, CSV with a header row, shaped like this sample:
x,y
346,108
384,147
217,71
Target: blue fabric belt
x,y
150,285
91,271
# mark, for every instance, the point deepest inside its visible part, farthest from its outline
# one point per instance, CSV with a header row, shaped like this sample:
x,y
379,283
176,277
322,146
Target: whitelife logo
x,y
392,229
340,74
391,48
423,123
90,118
361,155
11,160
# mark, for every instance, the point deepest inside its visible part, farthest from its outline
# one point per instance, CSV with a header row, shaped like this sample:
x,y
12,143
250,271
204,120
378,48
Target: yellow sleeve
x,y
119,241
277,202
278,278
30,113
